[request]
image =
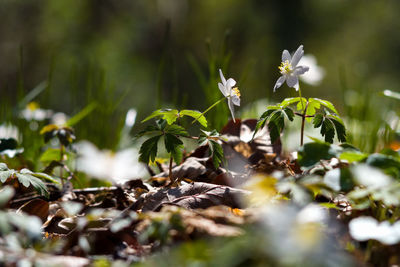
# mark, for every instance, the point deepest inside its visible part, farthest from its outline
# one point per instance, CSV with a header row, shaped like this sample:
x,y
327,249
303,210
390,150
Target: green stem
x,y
303,118
208,109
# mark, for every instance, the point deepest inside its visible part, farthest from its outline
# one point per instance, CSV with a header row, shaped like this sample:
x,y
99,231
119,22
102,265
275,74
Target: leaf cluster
x,y
172,115
26,178
314,109
170,133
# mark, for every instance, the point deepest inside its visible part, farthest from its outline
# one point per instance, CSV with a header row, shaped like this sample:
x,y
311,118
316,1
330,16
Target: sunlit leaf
x,y
196,115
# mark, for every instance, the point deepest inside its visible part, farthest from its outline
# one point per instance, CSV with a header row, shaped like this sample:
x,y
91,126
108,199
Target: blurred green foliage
x,y
166,53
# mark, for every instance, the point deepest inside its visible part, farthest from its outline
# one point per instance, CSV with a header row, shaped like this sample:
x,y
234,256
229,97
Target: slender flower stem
x,y
208,109
303,117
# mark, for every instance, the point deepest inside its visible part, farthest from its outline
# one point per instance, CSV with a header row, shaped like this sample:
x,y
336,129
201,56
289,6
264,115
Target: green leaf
x,y
176,130
325,103
45,177
174,146
196,115
148,129
353,156
312,153
289,113
5,174
288,101
26,178
148,150
217,153
340,129
302,104
276,123
328,130
318,120
170,115
312,107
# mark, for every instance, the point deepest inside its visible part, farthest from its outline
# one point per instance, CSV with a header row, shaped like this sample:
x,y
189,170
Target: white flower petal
x,y
279,82
286,56
230,83
231,108
299,70
236,100
363,228
222,77
297,56
223,89
292,80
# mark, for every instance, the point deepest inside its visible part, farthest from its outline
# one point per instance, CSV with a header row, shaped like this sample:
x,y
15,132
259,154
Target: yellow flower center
x,y
32,106
285,67
236,91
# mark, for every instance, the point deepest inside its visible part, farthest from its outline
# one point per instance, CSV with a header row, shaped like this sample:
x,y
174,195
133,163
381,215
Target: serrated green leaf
x,y
196,115
217,153
174,146
260,124
340,129
328,130
170,115
302,104
148,150
318,120
276,123
26,178
176,130
289,113
156,113
312,107
325,103
288,101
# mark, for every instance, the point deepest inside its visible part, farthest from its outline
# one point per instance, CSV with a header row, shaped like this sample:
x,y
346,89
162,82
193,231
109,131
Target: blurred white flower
x,y
312,213
316,73
289,69
117,167
8,130
33,111
130,117
59,118
232,94
370,177
364,228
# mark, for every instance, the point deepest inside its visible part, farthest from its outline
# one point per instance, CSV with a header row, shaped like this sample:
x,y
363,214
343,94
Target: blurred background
x,y
150,54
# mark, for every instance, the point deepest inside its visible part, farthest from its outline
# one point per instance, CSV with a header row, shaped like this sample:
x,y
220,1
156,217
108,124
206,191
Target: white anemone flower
x,y
289,69
35,113
230,92
365,228
316,73
117,167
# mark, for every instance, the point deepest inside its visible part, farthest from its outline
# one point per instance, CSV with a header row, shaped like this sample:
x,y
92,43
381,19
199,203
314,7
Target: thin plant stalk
x,y
303,117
